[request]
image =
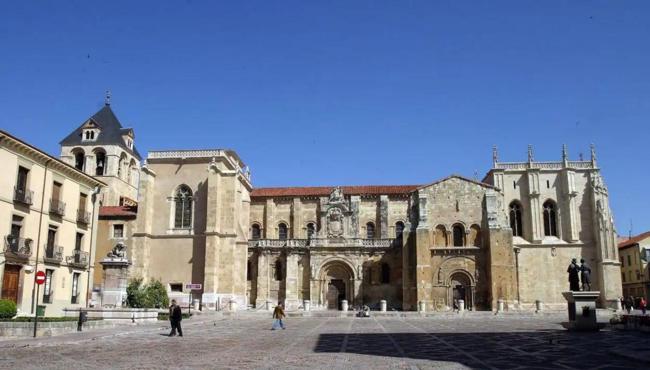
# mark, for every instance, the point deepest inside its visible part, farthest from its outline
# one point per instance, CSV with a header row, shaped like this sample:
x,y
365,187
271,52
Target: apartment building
x,y
634,253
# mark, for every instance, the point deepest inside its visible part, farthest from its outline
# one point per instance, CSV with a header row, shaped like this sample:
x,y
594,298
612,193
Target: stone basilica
x,y
200,219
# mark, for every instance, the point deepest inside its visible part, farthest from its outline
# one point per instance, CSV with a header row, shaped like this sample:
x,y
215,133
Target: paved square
x,y
481,341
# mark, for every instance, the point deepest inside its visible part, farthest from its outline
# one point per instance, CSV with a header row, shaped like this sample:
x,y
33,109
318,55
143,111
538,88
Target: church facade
x,y
507,238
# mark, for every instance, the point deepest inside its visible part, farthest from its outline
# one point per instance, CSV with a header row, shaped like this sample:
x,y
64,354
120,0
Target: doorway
x,y
461,289
335,294
10,282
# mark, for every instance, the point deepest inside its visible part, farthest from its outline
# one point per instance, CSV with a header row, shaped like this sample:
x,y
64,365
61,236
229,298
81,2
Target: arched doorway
x,y
337,284
460,287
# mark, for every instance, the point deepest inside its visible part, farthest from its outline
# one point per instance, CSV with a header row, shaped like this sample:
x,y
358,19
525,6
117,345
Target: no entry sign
x,y
40,277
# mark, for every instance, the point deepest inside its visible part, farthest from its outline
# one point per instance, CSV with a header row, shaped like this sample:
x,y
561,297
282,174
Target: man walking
x,y
278,315
175,317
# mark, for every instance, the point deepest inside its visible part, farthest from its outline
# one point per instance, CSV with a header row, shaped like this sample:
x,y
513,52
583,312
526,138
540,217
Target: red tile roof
x,y
634,240
118,211
326,190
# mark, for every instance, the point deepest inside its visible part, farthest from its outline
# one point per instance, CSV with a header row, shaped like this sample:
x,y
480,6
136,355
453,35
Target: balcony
x,y
16,247
83,217
23,196
57,207
78,259
53,254
325,242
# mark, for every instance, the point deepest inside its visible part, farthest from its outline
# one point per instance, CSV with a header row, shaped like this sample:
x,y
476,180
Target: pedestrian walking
x,y
278,315
175,317
643,305
628,304
622,303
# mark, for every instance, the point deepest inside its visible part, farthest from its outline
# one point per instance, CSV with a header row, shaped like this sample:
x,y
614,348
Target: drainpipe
x,y
38,237
93,232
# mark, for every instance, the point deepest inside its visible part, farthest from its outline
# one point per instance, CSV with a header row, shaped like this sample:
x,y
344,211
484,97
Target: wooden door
x,y
10,282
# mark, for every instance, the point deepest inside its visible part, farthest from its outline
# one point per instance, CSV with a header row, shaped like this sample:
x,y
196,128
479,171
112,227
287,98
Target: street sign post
x,y
191,287
40,279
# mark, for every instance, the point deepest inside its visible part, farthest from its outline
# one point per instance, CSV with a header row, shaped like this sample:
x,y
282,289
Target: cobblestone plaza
x,y
451,342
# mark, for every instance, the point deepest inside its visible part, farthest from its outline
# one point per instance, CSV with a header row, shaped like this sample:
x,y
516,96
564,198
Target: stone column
x,y
269,220
262,279
423,275
355,200
383,216
572,215
535,208
143,224
297,224
291,283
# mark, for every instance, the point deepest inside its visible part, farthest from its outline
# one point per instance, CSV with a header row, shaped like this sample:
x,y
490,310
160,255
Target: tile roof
x,y
326,190
461,178
634,240
111,132
118,211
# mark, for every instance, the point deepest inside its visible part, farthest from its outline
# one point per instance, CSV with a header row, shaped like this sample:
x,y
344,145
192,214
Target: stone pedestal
x,y
582,310
382,305
115,272
538,306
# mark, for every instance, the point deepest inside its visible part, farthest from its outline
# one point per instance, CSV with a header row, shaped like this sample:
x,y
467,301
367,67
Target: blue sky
x,y
341,92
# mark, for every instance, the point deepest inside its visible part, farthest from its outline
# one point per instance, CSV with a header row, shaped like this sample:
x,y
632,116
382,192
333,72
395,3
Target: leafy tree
x,y
152,295
7,309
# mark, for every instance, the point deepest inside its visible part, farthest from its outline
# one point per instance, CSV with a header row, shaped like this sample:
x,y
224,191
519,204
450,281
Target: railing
x,y
18,247
78,258
542,165
57,207
23,196
320,242
53,254
83,216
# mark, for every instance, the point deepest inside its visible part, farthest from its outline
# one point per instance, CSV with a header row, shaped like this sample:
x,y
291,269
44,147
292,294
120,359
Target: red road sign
x,y
40,277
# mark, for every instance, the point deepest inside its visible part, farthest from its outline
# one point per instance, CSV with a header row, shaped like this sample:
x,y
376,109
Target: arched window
x,y
79,160
440,239
278,273
130,175
100,163
282,231
385,273
475,236
120,165
370,230
458,232
183,208
550,218
515,219
311,230
256,232
399,230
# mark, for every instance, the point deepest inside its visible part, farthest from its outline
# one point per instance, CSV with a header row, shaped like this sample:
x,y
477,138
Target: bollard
x,y
619,306
344,305
232,305
538,306
269,305
461,305
422,306
382,305
196,304
306,304
500,305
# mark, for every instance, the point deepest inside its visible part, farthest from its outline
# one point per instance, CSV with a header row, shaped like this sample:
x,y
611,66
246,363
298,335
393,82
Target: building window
x,y
370,230
75,288
278,273
79,160
183,208
21,180
176,287
16,226
385,273
256,232
515,219
100,163
311,230
118,231
550,218
78,241
47,286
249,270
629,260
282,231
399,230
548,184
458,232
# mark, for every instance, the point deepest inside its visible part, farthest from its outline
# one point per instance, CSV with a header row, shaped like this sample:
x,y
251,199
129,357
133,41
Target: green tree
x,y
152,295
7,309
135,295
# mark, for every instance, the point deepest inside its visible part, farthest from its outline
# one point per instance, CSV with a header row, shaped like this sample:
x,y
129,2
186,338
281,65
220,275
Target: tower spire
x,y
107,98
495,156
593,154
565,155
530,153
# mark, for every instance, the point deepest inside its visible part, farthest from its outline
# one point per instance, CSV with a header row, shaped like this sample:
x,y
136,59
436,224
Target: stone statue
x,y
119,251
585,275
336,196
574,281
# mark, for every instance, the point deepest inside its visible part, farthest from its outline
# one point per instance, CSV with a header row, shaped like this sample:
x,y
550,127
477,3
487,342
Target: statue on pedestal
x,y
574,281
585,275
119,251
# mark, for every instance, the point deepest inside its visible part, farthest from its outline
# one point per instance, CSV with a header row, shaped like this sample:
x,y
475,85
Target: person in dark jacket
x,y
175,317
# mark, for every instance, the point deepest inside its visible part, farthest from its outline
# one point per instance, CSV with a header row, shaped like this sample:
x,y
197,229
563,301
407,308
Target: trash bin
x,y
40,311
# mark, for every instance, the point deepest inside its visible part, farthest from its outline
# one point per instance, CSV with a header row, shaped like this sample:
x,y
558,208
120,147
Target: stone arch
x,y
336,282
458,234
79,158
440,236
475,237
461,285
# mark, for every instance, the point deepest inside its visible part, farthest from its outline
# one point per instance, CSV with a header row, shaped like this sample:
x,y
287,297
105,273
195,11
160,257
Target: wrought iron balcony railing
x,y
57,207
18,247
53,254
23,196
83,216
78,259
